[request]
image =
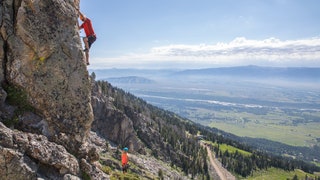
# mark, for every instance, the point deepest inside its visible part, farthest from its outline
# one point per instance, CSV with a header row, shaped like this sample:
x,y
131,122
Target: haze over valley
x,y
279,104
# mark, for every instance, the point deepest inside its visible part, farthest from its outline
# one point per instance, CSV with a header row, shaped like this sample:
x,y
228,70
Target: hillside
x,y
129,121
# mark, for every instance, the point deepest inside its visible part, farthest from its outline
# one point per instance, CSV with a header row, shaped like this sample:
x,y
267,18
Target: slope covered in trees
x,y
162,133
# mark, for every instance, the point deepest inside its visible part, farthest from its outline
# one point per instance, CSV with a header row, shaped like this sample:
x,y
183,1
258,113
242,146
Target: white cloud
x,y
240,51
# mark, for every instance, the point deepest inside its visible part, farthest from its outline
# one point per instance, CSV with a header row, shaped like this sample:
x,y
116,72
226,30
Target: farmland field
x,y
278,174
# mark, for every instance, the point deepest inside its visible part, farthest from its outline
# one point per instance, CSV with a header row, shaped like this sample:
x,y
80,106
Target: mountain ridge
x,y
130,79
257,72
250,71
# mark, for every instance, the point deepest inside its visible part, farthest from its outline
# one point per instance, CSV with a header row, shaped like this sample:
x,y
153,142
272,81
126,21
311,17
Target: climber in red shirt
x,y
90,35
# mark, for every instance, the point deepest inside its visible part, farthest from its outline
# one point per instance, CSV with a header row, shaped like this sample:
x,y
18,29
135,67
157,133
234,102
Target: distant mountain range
x,y
257,72
139,75
130,79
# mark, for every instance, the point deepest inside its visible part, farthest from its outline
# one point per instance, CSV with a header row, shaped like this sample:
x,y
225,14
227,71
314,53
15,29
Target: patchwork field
x,y
275,125
278,174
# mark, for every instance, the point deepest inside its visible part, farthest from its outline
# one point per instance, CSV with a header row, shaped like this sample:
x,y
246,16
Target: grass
x,y
17,97
117,174
274,126
121,176
114,171
277,174
231,149
292,135
317,163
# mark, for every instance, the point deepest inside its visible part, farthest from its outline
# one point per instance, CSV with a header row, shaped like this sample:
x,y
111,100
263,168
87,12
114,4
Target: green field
x,y
302,135
231,149
277,174
275,125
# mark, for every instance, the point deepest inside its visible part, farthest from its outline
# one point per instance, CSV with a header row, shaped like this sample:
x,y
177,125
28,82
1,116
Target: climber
x,y
90,35
124,160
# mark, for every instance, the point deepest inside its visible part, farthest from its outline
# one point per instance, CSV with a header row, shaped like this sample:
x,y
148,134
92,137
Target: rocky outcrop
x,y
28,156
40,54
32,156
111,123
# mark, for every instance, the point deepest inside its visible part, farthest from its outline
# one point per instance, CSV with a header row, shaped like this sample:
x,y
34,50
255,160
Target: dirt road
x,y
222,173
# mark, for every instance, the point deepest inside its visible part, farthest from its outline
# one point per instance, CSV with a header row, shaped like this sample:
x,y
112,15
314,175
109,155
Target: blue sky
x,y
203,33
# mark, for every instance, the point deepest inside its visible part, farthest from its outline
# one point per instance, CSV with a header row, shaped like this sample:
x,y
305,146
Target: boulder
x,y
28,156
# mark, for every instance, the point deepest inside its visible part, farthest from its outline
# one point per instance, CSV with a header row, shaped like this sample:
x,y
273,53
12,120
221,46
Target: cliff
x,y
40,55
45,93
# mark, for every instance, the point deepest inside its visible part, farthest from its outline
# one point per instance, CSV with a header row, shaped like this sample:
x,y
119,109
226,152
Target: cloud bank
x,y
240,51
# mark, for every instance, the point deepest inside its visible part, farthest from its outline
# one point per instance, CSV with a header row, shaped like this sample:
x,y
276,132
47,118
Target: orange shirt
x,y
87,26
124,158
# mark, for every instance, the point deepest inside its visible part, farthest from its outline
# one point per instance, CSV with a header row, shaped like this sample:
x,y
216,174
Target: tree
x,y
160,174
93,76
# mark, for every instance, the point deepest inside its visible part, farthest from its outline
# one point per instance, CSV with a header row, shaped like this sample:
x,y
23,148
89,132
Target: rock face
x,y
111,123
40,54
20,151
32,156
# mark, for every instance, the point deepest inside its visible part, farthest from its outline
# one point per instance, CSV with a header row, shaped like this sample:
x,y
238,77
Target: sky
x,y
188,34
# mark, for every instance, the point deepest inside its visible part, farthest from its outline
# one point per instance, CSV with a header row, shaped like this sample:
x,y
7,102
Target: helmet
x,y
125,149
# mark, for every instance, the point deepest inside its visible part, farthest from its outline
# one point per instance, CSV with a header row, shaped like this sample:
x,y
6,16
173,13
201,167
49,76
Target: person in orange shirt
x,y
124,160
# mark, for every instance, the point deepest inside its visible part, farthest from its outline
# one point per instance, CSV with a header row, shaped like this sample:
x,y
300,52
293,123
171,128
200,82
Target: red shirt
x,y
87,26
124,158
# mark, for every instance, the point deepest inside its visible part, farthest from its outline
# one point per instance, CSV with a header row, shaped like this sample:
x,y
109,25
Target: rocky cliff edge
x,y
45,93
41,58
